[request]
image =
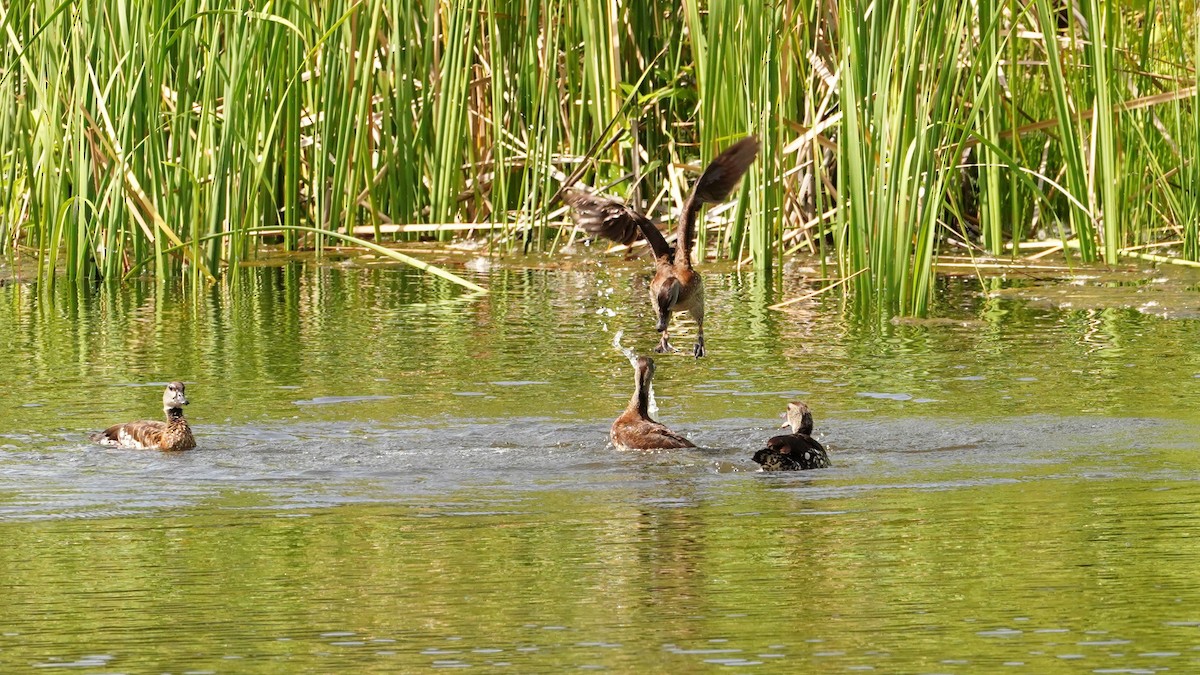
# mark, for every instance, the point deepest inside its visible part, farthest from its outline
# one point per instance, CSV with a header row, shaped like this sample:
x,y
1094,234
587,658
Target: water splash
x,y
632,356
629,353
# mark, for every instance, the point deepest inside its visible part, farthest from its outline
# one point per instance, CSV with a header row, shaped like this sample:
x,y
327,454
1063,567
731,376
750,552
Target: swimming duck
x,y
676,286
174,434
795,451
634,430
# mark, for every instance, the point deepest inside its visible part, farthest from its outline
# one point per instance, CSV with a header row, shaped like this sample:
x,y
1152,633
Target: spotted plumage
x,y
174,434
676,287
795,451
634,430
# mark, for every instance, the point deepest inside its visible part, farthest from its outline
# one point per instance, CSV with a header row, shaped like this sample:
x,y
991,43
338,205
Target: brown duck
x,y
174,434
795,451
676,286
634,430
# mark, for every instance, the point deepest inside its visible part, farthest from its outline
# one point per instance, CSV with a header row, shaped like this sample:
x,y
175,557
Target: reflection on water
x,y
1057,574
391,477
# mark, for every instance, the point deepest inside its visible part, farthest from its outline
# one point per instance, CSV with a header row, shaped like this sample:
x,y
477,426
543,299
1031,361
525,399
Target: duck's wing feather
x,y
802,449
136,435
714,186
773,461
722,174
647,435
613,220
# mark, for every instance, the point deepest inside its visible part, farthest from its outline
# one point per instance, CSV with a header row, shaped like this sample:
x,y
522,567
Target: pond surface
x,y
393,476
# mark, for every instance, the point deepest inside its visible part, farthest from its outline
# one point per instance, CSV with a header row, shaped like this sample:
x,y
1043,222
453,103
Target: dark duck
x,y
676,286
634,430
795,451
173,434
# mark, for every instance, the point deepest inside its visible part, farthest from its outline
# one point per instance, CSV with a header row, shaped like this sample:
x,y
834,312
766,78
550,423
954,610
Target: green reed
x,y
185,138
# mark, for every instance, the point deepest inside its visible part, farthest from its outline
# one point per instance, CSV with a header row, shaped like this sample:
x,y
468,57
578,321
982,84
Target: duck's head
x,y
664,302
645,370
174,397
799,418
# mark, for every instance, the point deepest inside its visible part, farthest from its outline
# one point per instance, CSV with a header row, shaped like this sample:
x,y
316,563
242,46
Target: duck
x,y
634,429
676,286
174,434
796,451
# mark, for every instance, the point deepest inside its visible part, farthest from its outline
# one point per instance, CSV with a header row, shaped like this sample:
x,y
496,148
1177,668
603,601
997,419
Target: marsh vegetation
x,y
181,139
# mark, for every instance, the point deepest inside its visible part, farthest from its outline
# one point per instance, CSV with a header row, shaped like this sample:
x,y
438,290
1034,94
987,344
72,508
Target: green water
x,y
393,476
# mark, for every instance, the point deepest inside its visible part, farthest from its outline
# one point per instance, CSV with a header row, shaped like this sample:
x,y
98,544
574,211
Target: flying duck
x,y
676,286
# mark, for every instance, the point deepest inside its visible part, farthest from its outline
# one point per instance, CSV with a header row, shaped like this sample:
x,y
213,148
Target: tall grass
x,y
183,138
898,148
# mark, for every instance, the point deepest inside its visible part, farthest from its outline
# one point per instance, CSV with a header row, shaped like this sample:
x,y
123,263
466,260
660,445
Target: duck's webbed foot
x,y
698,350
664,347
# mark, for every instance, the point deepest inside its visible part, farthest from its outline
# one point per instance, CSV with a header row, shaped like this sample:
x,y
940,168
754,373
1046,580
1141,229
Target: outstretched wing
x,y
613,220
722,174
714,186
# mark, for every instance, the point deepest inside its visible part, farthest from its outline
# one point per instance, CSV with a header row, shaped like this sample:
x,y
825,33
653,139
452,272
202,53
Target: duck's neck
x,y
175,416
641,397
